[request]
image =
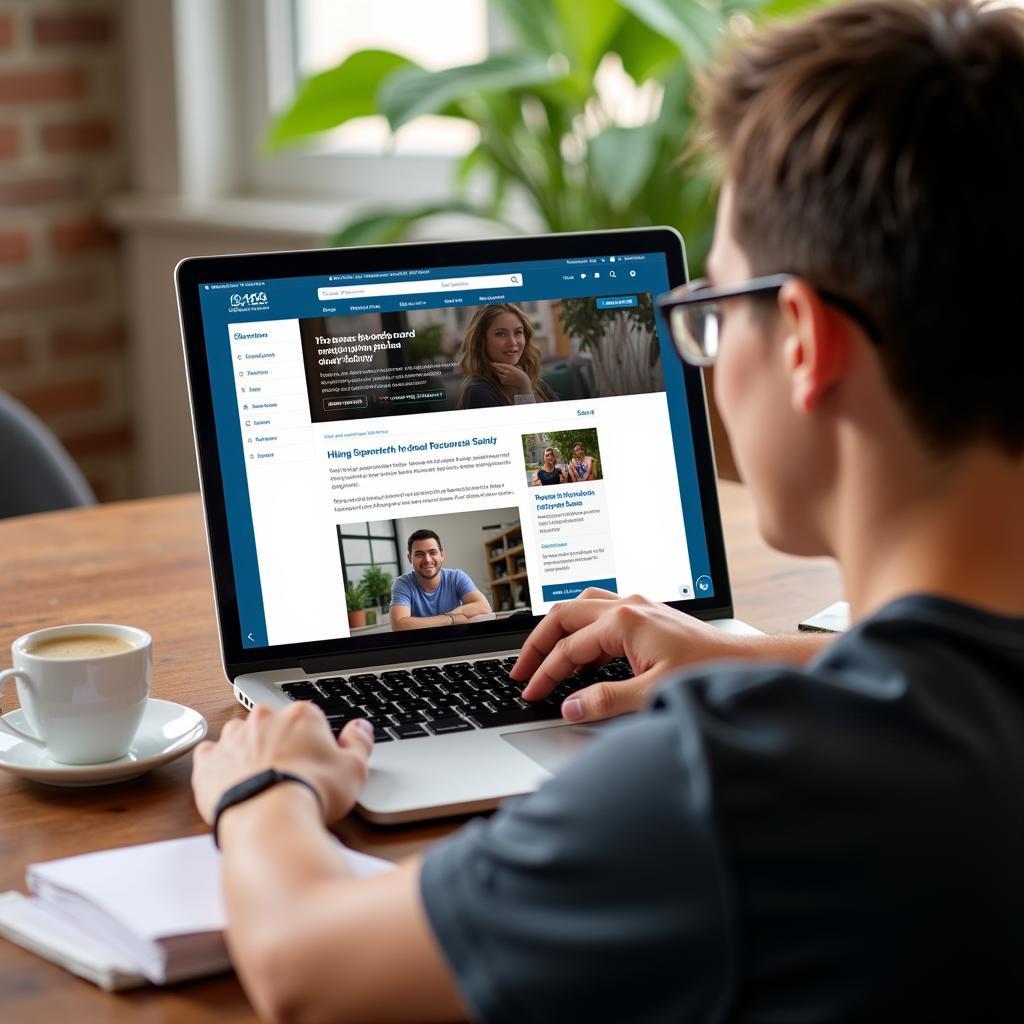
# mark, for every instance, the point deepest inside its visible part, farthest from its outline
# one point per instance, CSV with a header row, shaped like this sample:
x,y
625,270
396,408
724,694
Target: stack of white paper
x,y
122,917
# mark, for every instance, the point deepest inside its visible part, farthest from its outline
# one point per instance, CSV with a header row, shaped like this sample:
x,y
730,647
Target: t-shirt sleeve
x,y
463,584
602,896
400,592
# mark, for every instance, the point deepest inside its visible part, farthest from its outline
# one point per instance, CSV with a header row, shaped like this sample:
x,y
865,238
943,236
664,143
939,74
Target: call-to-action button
x,y
567,591
412,397
617,302
355,402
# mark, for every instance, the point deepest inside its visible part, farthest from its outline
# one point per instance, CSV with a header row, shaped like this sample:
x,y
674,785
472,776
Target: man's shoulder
x,y
919,668
403,584
457,577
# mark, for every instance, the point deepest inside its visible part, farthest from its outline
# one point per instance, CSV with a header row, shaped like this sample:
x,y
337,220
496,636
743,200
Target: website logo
x,y
249,300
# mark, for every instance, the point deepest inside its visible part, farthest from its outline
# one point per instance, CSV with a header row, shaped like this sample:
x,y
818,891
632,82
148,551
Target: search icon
x,y
515,280
611,273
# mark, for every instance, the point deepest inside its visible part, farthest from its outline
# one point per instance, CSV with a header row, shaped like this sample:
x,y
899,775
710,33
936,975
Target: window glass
x,y
436,35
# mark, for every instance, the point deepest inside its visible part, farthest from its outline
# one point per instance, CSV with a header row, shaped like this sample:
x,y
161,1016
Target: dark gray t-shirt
x,y
767,844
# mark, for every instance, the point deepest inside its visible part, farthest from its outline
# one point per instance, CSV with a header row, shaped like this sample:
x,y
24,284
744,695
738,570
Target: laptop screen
x,y
443,447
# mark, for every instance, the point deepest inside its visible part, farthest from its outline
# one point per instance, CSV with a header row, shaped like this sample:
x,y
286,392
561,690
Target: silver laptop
x,y
410,453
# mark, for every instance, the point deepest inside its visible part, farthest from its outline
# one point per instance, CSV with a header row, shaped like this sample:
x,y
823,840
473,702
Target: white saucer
x,y
168,730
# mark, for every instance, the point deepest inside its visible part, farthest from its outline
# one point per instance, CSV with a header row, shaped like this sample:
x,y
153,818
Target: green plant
x,y
563,440
426,346
377,584
356,597
545,129
623,343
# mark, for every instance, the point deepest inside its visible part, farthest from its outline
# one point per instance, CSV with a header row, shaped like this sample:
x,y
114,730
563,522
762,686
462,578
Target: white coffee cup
x,y
82,701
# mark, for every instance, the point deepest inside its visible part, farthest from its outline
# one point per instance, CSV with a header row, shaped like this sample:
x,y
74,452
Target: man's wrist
x,y
290,796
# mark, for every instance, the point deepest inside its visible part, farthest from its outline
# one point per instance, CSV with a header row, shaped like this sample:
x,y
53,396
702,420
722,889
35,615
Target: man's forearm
x,y
473,608
798,648
311,942
422,621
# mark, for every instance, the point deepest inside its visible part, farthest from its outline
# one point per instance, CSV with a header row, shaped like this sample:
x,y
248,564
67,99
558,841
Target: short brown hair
x,y
422,535
876,148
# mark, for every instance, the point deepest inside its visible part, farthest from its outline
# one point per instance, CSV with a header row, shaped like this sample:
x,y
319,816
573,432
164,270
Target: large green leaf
x,y
534,23
693,27
412,92
335,96
644,52
621,159
588,27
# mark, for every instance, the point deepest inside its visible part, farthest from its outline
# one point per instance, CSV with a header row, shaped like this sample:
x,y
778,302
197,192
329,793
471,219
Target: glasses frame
x,y
700,291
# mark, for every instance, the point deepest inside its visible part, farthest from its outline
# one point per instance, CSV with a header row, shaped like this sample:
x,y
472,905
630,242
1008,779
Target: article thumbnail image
x,y
470,357
562,457
433,570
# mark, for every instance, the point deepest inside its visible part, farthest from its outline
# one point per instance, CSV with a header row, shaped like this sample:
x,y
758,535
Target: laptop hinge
x,y
453,649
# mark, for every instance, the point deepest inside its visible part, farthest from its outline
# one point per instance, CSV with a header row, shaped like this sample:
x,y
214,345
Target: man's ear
x,y
817,344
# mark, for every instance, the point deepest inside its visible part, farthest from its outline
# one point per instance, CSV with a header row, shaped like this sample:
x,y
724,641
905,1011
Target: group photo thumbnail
x,y
470,357
562,457
436,570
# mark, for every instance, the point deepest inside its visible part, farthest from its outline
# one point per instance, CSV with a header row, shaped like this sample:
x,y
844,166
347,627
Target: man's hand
x,y
297,740
598,626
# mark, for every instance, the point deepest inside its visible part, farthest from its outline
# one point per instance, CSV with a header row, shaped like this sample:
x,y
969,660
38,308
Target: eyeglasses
x,y
694,313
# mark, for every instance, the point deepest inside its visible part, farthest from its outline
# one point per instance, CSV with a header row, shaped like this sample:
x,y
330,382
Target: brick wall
x,y
62,337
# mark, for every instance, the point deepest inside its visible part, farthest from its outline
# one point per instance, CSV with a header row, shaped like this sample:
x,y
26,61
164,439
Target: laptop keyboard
x,y
440,699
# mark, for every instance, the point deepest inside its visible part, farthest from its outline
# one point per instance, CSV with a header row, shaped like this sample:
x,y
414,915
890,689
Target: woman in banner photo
x,y
581,466
500,361
550,473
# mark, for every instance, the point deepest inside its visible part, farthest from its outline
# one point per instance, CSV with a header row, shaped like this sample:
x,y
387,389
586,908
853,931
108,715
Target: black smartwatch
x,y
253,786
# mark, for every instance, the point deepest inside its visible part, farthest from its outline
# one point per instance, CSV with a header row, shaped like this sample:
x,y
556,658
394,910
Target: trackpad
x,y
552,748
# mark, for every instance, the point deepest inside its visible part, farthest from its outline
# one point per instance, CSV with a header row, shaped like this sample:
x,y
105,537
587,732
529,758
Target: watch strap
x,y
253,786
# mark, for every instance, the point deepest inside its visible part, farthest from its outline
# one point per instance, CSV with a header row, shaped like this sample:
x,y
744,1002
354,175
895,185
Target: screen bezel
x,y
444,641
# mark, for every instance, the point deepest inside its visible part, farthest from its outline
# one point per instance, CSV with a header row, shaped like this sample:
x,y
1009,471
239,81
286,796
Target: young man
x,y
838,841
431,595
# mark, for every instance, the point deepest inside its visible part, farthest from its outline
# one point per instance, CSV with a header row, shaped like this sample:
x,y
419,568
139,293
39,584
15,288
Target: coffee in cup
x,y
80,645
83,689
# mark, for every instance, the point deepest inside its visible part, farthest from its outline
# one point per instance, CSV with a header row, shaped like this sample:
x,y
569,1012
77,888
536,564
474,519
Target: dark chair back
x,y
36,473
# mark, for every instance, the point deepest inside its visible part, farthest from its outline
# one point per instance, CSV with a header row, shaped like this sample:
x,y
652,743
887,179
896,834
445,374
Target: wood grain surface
x,y
144,563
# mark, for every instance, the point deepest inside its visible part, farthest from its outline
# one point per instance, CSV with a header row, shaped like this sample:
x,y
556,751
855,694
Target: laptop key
x,y
451,723
440,711
516,715
328,686
338,709
409,730
402,717
300,691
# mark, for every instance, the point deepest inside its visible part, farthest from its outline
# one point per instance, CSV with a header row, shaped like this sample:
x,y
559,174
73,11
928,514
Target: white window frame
x,y
229,78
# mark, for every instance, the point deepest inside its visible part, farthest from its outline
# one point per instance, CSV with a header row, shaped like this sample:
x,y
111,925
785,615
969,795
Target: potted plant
x,y
377,584
575,155
356,599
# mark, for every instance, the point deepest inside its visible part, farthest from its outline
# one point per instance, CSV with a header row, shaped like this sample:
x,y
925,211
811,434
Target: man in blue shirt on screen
x,y
431,595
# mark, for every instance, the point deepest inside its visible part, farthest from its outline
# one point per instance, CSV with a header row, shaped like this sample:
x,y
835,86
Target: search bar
x,y
485,282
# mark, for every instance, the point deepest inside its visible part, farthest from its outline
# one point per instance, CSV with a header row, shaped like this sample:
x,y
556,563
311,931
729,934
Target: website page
x,y
427,448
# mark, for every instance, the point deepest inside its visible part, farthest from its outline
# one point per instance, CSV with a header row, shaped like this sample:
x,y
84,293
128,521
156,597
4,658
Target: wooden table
x,y
145,563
